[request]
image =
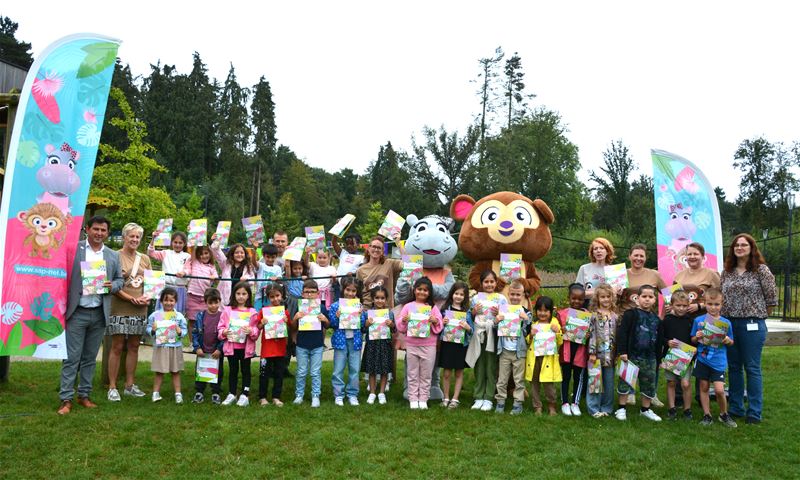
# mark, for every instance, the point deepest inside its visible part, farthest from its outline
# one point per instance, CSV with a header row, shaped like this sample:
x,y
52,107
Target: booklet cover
x,y
295,249
616,275
342,225
596,377
544,343
667,292
678,359
452,331
628,372
154,282
196,233
486,301
577,326
254,230
166,327
93,276
223,233
714,332
412,268
349,314
510,266
511,324
276,322
419,324
315,238
310,309
378,330
239,322
163,233
392,226
207,370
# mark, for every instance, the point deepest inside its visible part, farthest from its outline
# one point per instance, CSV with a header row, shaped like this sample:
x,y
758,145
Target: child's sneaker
x,y
672,414
500,408
598,414
113,395
298,400
277,402
453,404
477,405
178,398
727,420
706,421
339,401
198,398
371,398
517,408
650,415
353,401
134,391
216,399
156,397
314,402
229,400
687,415
621,414
263,402
243,401
566,410
413,405
382,398
575,409
423,405
445,402
487,405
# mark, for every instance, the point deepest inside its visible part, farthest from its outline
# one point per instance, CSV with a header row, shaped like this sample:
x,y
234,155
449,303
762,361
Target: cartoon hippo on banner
x,y
431,237
58,177
680,226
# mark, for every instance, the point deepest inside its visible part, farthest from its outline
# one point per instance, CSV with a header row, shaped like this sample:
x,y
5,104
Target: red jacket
x,y
582,353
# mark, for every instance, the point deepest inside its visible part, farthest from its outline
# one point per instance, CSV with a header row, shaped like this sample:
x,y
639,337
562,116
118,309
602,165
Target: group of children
x,y
503,359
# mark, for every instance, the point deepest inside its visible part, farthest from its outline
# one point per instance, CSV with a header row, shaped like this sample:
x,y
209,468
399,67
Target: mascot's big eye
x,y
53,160
692,296
490,215
523,216
52,223
421,227
71,165
442,229
686,216
673,216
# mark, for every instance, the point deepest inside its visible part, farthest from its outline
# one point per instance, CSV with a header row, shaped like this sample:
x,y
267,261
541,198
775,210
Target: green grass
x,y
136,439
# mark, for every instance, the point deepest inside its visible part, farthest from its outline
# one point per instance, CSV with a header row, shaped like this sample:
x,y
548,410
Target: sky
x,y
693,78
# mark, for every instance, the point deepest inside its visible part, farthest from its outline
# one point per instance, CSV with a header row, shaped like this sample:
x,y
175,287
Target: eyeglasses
x,y
376,247
741,245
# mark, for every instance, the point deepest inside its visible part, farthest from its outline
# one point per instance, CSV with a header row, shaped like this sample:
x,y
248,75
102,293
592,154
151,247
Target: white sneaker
x,y
656,402
565,409
134,391
113,395
487,406
229,399
243,401
620,414
339,401
353,401
371,399
423,405
382,399
576,410
477,405
156,397
179,398
650,415
314,402
298,400
414,405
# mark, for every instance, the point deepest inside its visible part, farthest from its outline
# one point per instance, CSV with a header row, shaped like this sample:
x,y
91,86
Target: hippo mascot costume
x,y
432,238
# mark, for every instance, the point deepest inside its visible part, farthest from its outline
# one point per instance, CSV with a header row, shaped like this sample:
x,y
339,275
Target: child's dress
x,y
378,354
168,357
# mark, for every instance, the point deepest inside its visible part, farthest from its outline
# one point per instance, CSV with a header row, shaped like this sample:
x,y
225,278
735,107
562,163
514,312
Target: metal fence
x,y
788,295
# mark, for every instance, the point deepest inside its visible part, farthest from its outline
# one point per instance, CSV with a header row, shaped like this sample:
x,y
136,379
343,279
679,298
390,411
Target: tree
x,y
264,137
369,227
284,216
233,141
514,85
394,186
13,50
613,186
486,92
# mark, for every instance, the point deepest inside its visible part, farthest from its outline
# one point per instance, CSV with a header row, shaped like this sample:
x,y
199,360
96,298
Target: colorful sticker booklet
x,y
577,327
93,276
453,332
379,331
275,326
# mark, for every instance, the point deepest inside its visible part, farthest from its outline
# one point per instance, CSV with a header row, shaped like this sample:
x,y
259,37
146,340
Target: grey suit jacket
x,y
113,272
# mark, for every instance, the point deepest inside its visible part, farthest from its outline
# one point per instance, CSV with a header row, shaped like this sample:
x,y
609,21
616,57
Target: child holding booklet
x,y
378,351
481,354
712,356
309,348
268,272
573,356
677,326
346,342
206,342
420,350
602,334
168,327
325,275
172,262
541,366
639,340
238,326
273,347
452,354
200,265
512,348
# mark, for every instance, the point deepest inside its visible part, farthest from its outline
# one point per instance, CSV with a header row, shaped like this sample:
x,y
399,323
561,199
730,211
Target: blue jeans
x,y
603,402
745,353
304,358
352,359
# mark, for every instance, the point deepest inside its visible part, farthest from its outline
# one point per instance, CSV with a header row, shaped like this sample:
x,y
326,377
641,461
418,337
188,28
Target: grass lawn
x,y
136,439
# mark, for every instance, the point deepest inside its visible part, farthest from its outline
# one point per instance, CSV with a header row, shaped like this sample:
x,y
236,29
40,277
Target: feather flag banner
x,y
50,163
686,211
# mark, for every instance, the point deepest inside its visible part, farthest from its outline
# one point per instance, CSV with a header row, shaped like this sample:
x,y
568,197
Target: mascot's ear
x,y
461,207
412,220
544,211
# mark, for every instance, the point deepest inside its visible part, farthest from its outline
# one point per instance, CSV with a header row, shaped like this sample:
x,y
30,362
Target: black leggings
x,y
233,364
571,371
274,368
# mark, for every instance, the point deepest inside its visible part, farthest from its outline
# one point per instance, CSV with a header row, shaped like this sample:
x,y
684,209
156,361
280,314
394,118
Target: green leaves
x,y
12,345
45,329
28,153
99,56
663,165
92,91
41,305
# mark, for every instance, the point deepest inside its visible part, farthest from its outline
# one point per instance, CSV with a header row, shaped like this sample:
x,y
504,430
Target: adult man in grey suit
x,y
86,315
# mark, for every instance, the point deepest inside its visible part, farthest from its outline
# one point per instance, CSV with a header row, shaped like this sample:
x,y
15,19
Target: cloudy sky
x,y
694,78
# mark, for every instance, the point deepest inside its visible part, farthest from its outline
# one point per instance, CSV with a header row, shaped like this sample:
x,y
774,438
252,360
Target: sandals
x,y
453,404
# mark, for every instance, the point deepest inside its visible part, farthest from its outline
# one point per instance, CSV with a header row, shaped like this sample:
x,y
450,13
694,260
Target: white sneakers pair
x,y
178,397
314,401
243,401
339,401
381,398
571,409
419,405
649,414
482,405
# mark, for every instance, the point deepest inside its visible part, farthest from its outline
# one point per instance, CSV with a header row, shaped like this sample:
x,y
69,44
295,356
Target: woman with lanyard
x,y
749,292
128,319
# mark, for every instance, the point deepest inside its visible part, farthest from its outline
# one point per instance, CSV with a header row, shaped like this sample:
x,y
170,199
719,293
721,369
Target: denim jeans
x,y
603,402
745,354
308,361
351,358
